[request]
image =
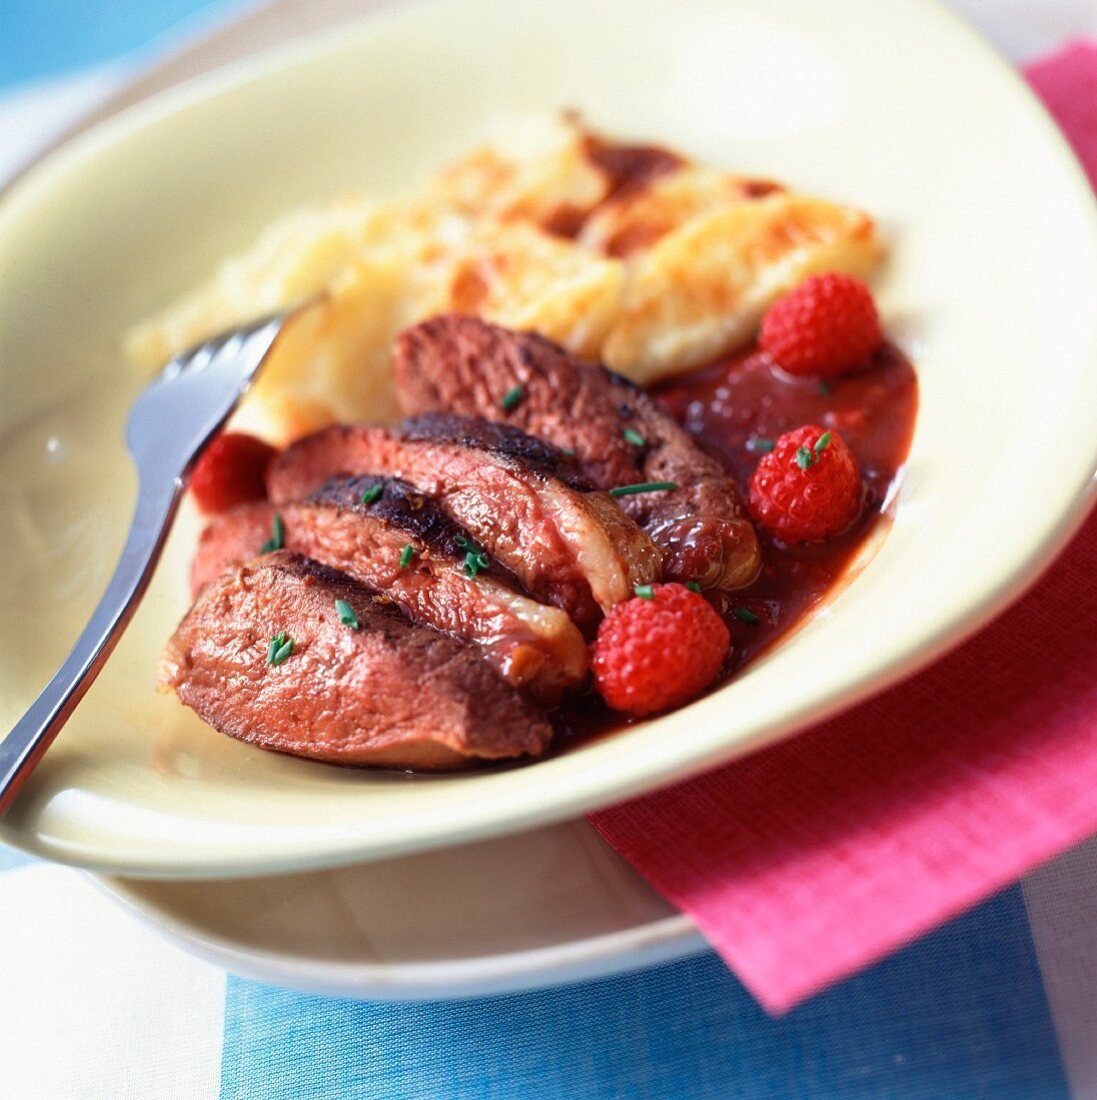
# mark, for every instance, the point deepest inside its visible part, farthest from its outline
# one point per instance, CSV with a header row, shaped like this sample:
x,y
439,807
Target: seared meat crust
x,y
570,548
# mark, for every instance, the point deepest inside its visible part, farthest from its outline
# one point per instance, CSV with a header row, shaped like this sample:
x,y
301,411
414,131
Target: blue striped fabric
x,y
960,1014
40,38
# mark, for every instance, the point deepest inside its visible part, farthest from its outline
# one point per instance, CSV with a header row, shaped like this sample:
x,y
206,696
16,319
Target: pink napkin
x,y
808,861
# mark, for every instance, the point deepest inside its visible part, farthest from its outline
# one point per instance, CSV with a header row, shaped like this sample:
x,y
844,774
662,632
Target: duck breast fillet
x,y
389,536
619,434
521,500
265,656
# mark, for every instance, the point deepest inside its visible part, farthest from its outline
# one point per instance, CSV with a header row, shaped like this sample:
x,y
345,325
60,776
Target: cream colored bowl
x,y
990,288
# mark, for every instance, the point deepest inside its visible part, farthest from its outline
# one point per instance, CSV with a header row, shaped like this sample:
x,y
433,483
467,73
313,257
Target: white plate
x,y
991,288
547,907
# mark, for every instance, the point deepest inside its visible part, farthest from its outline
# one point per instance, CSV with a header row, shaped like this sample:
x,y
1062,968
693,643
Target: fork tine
x,y
224,343
244,347
266,328
256,341
209,379
200,357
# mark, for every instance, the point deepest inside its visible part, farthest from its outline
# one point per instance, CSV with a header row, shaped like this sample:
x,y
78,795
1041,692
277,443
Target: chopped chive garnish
x,y
406,556
476,560
745,616
281,646
372,493
760,446
630,435
512,397
278,539
568,451
645,591
806,457
824,389
693,586
346,614
643,487
276,643
476,563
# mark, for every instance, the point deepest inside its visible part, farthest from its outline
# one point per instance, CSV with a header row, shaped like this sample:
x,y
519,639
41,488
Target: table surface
x,y
1000,1003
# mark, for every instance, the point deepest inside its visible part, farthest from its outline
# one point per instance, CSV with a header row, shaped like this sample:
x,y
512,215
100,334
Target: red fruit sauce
x,y
738,402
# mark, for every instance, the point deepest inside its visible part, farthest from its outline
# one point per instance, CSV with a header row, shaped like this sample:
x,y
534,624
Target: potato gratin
x,y
630,255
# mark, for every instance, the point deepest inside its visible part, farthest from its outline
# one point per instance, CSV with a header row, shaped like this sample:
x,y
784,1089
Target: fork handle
x,y
24,746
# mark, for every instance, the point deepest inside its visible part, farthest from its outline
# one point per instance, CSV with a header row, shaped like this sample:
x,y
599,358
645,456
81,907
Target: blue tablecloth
x,y
95,1006
962,1014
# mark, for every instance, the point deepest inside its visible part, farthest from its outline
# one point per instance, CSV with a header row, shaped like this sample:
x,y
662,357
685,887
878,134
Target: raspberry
x,y
807,488
826,326
232,470
656,653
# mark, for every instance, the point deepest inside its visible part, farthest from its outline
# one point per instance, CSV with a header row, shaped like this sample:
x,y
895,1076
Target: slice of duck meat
x,y
229,540
520,499
389,536
619,434
385,692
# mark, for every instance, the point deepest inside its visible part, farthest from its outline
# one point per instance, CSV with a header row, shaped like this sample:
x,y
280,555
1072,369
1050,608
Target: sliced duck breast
x,y
620,436
521,500
386,534
266,656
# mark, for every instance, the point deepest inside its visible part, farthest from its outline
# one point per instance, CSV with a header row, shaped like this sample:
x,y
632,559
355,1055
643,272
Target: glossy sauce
x,y
732,406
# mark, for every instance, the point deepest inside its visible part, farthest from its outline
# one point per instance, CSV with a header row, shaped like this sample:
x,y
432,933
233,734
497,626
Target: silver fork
x,y
171,422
